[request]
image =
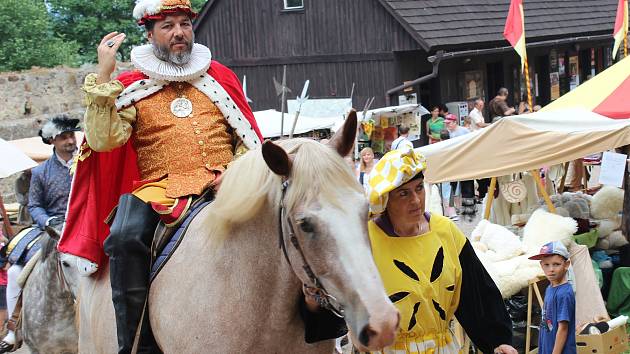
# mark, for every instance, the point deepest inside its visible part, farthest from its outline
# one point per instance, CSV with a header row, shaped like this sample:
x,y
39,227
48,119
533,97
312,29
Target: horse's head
x,y
324,230
66,262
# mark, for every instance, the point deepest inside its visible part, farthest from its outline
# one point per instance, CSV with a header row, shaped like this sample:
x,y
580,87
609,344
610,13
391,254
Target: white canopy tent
x,y
13,160
523,143
393,111
35,148
269,123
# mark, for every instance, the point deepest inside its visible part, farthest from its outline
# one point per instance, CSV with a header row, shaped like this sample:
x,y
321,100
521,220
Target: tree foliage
x,y
27,38
53,32
88,21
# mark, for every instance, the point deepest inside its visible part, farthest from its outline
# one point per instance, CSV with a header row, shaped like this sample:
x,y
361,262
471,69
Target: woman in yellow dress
x,y
429,269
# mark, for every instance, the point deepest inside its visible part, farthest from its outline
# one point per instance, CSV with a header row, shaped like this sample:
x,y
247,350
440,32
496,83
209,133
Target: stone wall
x,y
29,97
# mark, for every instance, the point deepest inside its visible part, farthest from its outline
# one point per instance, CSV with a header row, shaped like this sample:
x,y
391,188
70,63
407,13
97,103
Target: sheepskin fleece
x,y
613,241
500,243
544,227
607,226
607,203
500,251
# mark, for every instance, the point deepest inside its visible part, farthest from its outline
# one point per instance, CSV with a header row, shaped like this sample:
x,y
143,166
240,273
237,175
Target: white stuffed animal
x,y
607,226
612,241
607,203
500,243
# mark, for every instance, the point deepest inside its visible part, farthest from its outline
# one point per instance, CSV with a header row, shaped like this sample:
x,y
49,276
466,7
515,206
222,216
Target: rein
x,y
64,281
324,299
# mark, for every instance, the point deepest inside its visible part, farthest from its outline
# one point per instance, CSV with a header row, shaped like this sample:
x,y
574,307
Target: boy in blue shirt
x,y
557,329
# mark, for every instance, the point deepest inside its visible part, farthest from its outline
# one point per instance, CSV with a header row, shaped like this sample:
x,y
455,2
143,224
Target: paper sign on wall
x,y
613,169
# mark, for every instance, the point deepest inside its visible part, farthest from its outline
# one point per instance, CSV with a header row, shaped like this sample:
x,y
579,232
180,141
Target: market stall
x,y
520,146
379,127
269,124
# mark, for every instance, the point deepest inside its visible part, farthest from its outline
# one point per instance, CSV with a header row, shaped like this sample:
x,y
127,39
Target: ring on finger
x,y
110,43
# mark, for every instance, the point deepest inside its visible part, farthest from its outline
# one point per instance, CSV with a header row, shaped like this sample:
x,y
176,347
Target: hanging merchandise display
x,y
514,191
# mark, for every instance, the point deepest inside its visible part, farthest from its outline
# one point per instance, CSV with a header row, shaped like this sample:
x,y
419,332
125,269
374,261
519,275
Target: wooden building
x,y
447,50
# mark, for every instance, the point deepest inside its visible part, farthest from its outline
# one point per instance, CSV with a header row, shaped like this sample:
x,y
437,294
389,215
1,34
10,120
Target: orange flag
x,y
621,25
514,30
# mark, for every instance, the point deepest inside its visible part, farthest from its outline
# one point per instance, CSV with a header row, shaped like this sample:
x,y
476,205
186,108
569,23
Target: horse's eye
x,y
65,264
306,226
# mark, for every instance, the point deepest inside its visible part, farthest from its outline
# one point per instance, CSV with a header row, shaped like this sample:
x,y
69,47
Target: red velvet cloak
x,y
102,177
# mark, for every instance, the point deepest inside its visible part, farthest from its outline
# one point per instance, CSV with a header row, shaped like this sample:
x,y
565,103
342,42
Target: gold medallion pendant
x,y
181,107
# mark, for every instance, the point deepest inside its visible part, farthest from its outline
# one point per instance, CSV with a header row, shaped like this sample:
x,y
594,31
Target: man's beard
x,y
164,53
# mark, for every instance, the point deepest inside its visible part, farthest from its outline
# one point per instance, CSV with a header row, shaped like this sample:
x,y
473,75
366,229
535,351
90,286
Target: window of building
x,y
293,4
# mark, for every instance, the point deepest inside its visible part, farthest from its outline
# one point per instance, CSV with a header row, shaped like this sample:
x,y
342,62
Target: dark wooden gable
x,y
478,23
237,30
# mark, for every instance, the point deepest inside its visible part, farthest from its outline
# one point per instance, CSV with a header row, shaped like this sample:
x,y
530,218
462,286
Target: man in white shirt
x,y
403,139
476,116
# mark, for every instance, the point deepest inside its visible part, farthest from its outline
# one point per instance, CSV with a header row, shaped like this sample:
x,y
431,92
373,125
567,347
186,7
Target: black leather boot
x,y
129,249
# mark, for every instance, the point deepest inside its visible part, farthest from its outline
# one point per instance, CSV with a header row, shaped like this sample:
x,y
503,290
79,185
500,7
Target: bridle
x,y
324,299
63,280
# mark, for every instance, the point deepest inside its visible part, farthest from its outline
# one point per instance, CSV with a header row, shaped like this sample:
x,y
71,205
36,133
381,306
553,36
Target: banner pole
x,y
529,88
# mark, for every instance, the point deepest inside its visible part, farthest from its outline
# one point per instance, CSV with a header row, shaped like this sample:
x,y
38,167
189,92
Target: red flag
x,y
514,30
621,25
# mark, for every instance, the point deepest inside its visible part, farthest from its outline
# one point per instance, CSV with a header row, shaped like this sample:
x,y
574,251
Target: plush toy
x,y
607,226
578,208
613,241
607,203
500,243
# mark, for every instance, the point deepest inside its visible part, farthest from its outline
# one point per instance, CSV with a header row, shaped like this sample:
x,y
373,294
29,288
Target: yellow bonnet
x,y
396,168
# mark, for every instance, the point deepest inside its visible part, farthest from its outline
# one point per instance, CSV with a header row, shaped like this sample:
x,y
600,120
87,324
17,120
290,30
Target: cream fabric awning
x,y
12,160
522,143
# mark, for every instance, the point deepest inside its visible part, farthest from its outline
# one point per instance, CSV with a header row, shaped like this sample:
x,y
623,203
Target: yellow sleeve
x,y
105,127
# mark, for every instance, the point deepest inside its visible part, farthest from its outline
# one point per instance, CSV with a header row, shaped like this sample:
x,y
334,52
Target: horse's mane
x,y
249,185
49,245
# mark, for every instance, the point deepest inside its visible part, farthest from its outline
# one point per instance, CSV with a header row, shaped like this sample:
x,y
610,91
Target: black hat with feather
x,y
56,126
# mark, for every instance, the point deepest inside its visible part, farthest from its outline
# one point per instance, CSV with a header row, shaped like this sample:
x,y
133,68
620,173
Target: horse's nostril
x,y
365,335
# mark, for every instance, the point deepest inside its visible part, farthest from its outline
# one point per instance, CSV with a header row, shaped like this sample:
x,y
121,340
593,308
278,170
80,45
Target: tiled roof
x,y
445,23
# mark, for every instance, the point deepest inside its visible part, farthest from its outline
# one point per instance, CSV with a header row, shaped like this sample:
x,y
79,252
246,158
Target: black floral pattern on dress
x,y
406,270
439,309
413,321
394,298
438,265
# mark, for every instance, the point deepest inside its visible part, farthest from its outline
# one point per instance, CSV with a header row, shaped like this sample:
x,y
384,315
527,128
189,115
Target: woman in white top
x,y
366,165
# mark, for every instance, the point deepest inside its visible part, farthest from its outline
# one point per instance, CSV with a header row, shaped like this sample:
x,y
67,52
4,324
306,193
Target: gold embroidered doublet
x,y
187,150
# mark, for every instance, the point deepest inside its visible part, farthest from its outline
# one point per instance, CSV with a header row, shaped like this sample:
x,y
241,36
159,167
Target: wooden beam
x,y
493,186
8,231
542,191
308,59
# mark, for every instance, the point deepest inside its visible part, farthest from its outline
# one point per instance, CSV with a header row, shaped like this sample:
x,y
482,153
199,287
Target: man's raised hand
x,y
107,55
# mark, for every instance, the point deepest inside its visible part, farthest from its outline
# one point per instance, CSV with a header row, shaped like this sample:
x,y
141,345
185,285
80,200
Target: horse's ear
x,y
53,233
343,140
276,158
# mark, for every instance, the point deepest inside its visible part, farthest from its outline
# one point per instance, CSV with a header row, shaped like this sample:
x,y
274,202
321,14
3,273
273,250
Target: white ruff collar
x,y
144,60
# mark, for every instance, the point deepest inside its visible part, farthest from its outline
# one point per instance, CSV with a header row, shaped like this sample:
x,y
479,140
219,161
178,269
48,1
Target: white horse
x,y
48,312
229,288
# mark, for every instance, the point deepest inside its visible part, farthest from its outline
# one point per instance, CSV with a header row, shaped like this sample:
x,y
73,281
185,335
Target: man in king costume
x,y
157,138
